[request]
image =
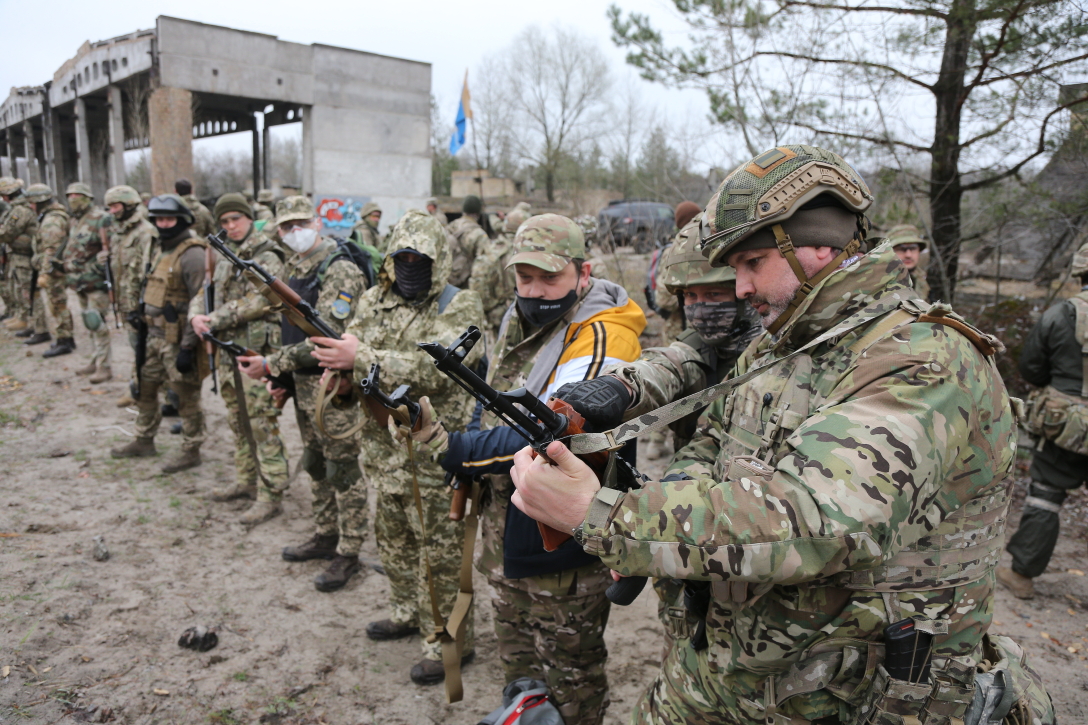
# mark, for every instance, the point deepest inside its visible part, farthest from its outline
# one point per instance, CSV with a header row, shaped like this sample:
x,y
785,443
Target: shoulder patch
x,y
341,306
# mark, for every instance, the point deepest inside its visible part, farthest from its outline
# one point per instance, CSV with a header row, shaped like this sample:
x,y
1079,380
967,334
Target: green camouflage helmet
x,y
79,187
9,185
122,195
685,266
1080,261
514,219
39,192
548,241
264,196
906,234
771,188
294,208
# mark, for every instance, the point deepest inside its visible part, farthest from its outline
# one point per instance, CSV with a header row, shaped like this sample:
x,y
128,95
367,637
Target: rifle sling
x,y
244,424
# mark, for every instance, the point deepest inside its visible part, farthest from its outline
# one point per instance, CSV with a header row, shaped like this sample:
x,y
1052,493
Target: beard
x,y
776,304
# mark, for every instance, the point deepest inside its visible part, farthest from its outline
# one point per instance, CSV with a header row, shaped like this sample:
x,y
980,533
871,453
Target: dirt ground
x,y
83,640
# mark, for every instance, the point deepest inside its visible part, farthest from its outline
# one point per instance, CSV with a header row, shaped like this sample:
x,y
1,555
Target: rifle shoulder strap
x,y
446,297
321,405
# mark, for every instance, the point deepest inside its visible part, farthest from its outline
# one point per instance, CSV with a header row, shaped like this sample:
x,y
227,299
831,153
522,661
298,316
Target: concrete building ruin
x,y
365,117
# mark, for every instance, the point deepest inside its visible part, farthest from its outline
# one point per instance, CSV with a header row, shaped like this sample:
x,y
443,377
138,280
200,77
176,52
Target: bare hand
x,y
343,384
200,324
252,366
278,394
557,495
336,354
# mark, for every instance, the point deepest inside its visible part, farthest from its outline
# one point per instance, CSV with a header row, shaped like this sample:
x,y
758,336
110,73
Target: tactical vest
x,y
1056,416
23,244
165,289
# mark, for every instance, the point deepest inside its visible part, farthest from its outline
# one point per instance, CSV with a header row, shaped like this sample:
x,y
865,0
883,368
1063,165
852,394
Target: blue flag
x,y
464,112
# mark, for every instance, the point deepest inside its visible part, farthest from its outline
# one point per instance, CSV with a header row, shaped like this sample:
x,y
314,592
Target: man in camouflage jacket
x,y
17,230
859,483
490,277
203,222
86,276
470,241
52,233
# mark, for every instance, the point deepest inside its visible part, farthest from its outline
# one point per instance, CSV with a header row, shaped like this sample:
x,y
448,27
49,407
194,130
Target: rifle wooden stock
x,y
457,503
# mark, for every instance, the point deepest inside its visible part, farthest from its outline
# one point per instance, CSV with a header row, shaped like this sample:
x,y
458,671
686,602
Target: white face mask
x,y
300,239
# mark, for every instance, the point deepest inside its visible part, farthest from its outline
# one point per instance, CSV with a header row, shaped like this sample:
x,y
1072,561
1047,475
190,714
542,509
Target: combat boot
x,y
125,400
188,458
236,491
318,547
386,629
62,346
260,512
1021,587
38,338
88,369
104,374
431,672
25,332
337,575
139,448
15,324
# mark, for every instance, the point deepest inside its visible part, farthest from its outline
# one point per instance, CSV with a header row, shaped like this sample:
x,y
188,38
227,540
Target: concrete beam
x,y
54,171
31,153
170,121
256,138
83,143
115,159
308,152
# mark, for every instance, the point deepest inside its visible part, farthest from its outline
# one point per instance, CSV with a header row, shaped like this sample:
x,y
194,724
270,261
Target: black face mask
x,y
538,312
129,210
413,278
168,237
714,321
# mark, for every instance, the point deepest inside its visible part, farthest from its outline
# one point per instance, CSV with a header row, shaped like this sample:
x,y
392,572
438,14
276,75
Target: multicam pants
x,y
54,296
264,422
18,280
100,338
159,370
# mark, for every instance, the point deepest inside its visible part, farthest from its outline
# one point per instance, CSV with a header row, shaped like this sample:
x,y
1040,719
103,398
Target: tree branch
x,y
862,137
866,9
837,61
1032,71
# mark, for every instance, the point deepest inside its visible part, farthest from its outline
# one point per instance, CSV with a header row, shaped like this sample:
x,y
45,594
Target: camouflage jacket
x,y
203,223
493,281
881,496
919,282
134,243
468,242
52,234
17,229
83,271
367,234
262,213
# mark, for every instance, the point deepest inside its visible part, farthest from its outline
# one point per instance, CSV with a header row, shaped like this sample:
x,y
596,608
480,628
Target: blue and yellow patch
x,y
341,306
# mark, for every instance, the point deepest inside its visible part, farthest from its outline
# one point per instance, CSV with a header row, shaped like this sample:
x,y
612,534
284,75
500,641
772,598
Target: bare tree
x,y
493,113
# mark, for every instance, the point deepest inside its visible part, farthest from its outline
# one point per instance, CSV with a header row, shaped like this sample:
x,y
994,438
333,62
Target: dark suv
x,y
640,224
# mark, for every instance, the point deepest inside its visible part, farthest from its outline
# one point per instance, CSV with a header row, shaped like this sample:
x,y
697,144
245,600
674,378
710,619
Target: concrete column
x,y
13,168
256,156
54,167
32,175
308,151
170,122
115,159
83,144
265,174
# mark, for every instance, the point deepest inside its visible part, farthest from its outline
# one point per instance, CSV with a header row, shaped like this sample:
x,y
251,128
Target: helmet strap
x,y
785,246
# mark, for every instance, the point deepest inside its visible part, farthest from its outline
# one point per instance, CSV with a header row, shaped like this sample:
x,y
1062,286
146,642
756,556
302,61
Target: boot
x,y
337,575
25,332
15,324
386,629
87,369
62,346
238,490
139,448
188,458
38,338
168,410
103,375
260,512
1020,586
125,400
317,547
175,429
431,672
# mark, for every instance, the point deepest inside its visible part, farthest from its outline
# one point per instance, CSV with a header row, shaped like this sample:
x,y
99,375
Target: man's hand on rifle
x,y
342,383
557,495
429,435
200,324
336,354
278,394
103,256
252,366
43,280
134,318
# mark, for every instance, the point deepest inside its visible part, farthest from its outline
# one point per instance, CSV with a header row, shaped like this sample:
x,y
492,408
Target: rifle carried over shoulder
x,y
284,382
209,306
110,286
542,424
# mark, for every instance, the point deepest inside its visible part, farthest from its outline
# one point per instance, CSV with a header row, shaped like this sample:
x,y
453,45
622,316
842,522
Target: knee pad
x,y
342,475
313,462
92,319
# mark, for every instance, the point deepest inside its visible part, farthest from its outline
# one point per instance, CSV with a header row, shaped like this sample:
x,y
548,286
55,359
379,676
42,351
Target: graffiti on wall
x,y
340,213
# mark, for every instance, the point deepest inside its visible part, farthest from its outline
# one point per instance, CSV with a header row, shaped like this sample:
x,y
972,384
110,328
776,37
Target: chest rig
x,y
166,291
231,284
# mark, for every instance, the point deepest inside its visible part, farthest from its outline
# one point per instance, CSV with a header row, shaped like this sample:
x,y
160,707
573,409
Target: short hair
x,y
183,187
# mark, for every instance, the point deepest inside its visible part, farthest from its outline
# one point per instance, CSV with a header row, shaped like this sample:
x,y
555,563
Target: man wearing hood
x,y
48,247
412,303
174,276
857,481
326,277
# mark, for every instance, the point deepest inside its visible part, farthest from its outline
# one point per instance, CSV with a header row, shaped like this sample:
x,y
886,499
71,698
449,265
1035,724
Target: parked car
x,y
639,224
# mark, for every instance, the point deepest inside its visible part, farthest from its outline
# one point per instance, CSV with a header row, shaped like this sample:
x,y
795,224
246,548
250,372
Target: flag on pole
x,y
464,112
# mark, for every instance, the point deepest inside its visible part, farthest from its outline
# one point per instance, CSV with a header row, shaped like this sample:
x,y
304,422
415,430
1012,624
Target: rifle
x,y
542,424
284,382
104,238
209,305
141,343
298,311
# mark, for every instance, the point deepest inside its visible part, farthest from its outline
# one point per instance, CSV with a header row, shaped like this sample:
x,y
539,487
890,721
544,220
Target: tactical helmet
x,y
79,188
123,195
906,234
264,196
169,205
39,192
294,208
472,205
1080,261
548,241
685,266
514,219
9,185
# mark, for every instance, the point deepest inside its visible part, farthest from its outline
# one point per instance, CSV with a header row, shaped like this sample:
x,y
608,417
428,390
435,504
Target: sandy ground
x,y
89,641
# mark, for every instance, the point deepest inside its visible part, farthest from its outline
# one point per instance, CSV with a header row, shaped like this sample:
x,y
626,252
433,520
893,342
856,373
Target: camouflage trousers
x,y
336,481
160,370
551,628
100,338
54,297
406,545
264,423
20,273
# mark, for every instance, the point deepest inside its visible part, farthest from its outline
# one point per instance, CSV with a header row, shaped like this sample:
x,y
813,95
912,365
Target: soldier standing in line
x,y
4,292
433,210
48,249
327,278
262,210
491,277
908,245
86,276
1055,359
366,231
17,230
203,222
411,303
174,355
470,240
241,315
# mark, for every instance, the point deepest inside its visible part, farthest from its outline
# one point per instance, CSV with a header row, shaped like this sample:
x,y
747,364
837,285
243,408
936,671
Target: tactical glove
x,y
601,401
185,361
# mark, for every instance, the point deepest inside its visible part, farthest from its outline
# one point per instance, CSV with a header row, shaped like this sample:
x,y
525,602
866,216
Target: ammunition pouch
x,y
1007,689
1059,418
92,319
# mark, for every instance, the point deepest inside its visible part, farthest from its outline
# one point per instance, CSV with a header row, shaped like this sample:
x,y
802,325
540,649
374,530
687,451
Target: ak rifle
x,y
209,307
284,382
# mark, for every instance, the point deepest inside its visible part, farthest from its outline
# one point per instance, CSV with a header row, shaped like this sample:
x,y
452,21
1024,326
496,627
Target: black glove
x,y
135,319
601,401
185,360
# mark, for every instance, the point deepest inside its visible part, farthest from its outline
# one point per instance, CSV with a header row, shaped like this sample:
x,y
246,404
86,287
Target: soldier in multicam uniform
x,y
48,248
241,314
412,303
664,300
491,277
1055,359
17,231
4,292
262,210
433,210
330,281
174,355
829,496
203,222
908,245
86,276
366,231
469,241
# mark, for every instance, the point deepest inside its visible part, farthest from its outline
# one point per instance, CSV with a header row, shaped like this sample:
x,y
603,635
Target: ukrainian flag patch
x,y
341,306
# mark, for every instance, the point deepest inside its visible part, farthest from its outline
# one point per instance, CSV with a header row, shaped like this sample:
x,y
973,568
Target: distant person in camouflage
x,y
203,222
491,276
241,314
263,210
174,354
665,301
470,240
48,248
86,276
828,497
908,245
433,210
411,303
17,230
329,280
5,295
366,231
1055,359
